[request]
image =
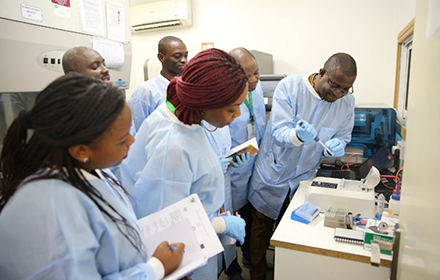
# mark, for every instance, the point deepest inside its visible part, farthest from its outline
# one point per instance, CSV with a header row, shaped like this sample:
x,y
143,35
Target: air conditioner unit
x,y
160,14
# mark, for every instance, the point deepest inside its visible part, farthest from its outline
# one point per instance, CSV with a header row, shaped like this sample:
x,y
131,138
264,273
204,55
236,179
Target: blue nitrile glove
x,y
305,131
242,160
224,162
335,145
235,228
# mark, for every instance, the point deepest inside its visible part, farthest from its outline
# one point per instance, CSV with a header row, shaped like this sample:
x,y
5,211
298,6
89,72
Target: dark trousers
x,y
261,232
233,269
246,214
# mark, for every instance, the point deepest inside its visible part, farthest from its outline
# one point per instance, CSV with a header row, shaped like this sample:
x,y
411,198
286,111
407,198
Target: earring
x,y
86,160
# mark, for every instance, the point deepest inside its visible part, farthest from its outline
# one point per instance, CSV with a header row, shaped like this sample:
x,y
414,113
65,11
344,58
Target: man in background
x,y
85,60
173,55
249,124
304,106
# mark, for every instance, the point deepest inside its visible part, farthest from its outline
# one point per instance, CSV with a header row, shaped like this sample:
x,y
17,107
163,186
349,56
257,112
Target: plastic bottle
x,y
394,203
380,206
120,83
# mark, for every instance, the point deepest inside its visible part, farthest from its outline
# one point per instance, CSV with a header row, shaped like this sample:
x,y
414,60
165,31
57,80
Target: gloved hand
x,y
224,162
335,145
305,131
242,160
235,228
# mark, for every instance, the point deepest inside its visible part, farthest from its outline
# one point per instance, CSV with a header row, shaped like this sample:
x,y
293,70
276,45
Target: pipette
x,y
324,146
301,124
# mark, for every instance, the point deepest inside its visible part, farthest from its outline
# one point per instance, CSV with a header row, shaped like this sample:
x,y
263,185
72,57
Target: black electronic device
x,y
381,159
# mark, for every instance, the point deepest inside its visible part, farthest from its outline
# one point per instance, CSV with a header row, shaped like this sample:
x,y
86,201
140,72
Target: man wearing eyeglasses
x,y
304,106
173,55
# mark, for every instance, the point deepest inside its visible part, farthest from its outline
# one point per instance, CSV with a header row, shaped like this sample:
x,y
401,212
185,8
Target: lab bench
x,y
309,251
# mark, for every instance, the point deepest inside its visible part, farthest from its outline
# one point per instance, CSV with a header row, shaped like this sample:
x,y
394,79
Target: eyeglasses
x,y
336,88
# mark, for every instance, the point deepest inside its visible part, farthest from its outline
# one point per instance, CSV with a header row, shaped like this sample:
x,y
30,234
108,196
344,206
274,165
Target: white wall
x,y
419,256
300,35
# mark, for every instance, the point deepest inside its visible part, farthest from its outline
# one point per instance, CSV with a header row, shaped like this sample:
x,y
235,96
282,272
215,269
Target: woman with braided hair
x,y
61,215
172,157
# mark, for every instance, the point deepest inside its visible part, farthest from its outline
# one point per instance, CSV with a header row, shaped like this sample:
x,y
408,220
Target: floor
x,y
245,272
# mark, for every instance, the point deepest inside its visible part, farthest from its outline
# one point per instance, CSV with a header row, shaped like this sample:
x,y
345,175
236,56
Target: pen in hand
x,y
172,248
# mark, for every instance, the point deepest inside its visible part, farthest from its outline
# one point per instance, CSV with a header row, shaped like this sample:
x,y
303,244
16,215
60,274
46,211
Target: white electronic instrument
x,y
358,196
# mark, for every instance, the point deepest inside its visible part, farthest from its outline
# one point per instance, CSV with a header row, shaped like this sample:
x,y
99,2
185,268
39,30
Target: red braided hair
x,y
211,80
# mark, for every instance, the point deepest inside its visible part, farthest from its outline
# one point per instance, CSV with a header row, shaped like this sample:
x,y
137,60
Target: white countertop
x,y
315,237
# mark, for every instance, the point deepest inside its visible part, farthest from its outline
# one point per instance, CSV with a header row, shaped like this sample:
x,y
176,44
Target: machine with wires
x,y
357,195
381,159
373,138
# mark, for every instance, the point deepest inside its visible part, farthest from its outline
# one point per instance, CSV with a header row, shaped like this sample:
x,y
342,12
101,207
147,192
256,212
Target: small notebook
x,y
250,146
349,236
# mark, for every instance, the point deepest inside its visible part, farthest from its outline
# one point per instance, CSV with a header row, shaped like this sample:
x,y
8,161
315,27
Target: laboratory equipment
x,y
358,195
324,146
349,236
380,232
305,213
300,123
380,206
374,127
334,216
265,62
394,203
380,159
37,36
40,45
336,146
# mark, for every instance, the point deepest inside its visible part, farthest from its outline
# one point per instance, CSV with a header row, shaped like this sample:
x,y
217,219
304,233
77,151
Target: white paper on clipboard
x,y
184,221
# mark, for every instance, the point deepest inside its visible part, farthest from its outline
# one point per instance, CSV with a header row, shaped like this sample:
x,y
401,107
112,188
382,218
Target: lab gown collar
x,y
174,118
309,86
48,171
88,176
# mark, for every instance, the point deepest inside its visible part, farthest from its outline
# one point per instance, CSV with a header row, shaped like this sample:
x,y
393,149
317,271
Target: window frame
x,y
404,49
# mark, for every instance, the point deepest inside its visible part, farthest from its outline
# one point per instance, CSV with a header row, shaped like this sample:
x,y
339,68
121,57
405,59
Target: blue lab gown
x,y
51,230
169,161
281,165
220,140
146,98
240,177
